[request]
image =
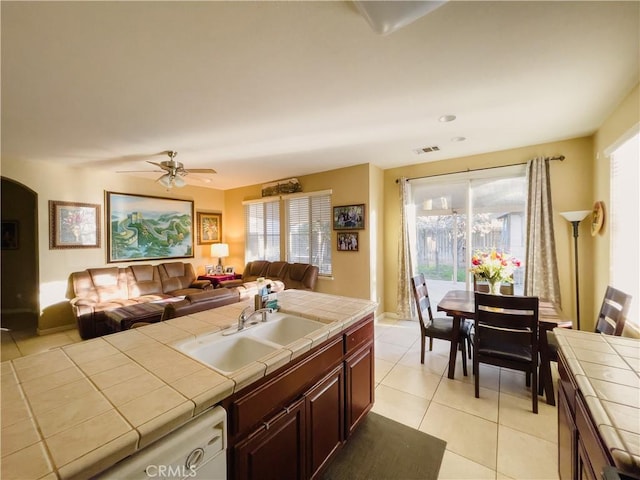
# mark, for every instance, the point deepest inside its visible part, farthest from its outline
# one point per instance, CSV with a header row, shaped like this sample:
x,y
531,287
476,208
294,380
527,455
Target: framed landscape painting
x,y
73,225
141,227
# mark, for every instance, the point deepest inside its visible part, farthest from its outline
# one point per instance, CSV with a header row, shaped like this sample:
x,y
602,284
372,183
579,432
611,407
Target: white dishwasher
x,y
196,450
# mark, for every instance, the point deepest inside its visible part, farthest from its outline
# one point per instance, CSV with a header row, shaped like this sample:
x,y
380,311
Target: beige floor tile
x,y
434,362
461,395
410,380
8,348
524,456
396,335
400,406
516,413
513,383
457,467
389,351
467,435
382,368
489,376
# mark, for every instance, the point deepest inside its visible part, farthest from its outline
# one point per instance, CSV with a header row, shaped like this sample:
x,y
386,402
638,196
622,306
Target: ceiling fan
x,y
174,171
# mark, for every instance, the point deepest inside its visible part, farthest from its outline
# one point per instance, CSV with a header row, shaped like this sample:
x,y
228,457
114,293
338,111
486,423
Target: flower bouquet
x,y
494,267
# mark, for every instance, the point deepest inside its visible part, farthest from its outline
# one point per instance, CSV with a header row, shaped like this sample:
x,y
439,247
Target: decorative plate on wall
x,y
597,218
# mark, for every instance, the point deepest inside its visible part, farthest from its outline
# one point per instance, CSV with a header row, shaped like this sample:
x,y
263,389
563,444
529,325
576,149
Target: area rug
x,y
382,449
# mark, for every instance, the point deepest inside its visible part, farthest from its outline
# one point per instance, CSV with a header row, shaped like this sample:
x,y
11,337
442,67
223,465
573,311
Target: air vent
x,y
433,148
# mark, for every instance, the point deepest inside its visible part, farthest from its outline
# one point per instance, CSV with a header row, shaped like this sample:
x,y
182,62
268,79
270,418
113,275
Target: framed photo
x,y
73,225
230,270
219,270
209,269
10,239
142,227
348,217
347,241
209,228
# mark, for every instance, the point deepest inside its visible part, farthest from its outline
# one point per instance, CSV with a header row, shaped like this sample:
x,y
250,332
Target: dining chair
x,y
506,335
435,327
610,321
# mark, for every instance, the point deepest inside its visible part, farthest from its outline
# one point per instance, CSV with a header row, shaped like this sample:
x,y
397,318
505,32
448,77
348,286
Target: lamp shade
x,y
576,215
220,250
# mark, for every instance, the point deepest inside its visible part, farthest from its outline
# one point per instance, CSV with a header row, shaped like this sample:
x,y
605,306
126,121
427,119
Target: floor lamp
x,y
575,218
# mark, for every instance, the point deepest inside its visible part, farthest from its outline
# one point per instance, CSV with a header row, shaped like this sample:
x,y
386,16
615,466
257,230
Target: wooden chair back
x,y
613,312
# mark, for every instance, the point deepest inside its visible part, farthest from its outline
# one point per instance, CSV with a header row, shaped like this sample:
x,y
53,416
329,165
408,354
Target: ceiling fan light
x,y
165,180
178,181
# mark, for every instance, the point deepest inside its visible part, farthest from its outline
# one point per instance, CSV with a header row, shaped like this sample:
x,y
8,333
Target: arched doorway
x,y
19,268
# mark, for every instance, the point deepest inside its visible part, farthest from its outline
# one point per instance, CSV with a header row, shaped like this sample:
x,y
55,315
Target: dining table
x,y
461,305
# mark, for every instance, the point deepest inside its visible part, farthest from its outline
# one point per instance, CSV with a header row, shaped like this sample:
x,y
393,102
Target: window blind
x,y
262,230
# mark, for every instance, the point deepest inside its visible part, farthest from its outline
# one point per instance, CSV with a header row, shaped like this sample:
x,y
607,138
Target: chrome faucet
x,y
244,317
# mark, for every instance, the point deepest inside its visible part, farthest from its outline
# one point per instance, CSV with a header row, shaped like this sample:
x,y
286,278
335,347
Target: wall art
x,y
141,227
73,225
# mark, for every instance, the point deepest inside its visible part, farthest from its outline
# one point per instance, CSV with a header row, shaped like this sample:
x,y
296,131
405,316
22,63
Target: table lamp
x,y
220,250
575,217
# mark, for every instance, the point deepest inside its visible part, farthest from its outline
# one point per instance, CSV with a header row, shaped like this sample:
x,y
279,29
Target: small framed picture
x,y
209,269
230,270
348,217
347,241
73,225
10,235
209,228
219,270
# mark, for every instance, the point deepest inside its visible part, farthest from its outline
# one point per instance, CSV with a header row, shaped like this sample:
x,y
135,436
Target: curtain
x,y
541,272
406,307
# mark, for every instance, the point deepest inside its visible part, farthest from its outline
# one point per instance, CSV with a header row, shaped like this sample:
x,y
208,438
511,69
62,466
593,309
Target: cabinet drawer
x,y
590,438
358,335
252,408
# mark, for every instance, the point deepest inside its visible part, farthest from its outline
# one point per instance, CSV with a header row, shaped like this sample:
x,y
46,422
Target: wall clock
x,y
597,218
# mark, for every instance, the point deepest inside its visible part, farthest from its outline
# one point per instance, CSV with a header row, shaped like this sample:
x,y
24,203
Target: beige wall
x,y
571,187
53,182
376,227
351,270
624,119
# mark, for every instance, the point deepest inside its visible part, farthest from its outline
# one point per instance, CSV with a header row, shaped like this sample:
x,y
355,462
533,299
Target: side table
x,y
216,279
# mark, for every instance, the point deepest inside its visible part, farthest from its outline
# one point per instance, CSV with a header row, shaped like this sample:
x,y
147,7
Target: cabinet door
x,y
325,419
276,450
566,439
359,385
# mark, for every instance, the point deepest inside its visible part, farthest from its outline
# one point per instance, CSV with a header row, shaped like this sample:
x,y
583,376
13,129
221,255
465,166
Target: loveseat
x,y
279,275
94,291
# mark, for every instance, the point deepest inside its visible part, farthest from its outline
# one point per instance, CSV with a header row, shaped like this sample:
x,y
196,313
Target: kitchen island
x,y
599,404
74,411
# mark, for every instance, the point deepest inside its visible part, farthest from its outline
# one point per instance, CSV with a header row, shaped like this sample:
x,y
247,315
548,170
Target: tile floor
x,y
493,437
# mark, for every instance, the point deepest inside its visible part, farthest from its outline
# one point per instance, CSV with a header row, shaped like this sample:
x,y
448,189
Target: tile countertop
x,y
73,411
607,372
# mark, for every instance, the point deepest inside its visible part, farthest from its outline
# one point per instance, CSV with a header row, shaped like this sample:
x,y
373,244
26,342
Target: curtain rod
x,y
557,157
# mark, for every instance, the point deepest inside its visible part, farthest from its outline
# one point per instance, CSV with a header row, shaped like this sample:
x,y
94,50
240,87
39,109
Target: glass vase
x,y
494,287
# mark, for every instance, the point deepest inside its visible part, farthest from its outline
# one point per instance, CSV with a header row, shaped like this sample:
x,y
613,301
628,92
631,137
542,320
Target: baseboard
x,y
62,328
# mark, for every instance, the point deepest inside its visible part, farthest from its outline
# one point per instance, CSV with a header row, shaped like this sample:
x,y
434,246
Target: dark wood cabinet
x,y
290,423
276,451
325,420
581,454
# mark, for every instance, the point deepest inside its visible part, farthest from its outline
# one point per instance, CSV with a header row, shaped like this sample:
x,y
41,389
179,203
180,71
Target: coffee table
x,y
122,318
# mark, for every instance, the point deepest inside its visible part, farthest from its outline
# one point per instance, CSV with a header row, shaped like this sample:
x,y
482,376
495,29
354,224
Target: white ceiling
x,y
261,91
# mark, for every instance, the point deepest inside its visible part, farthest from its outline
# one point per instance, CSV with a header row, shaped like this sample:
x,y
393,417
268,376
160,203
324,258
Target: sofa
x,y
94,291
201,301
279,275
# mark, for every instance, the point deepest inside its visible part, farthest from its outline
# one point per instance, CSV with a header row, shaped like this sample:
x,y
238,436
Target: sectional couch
x,y
94,291
280,275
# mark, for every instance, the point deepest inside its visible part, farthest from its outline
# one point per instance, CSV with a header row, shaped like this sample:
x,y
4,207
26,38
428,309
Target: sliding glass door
x,y
457,214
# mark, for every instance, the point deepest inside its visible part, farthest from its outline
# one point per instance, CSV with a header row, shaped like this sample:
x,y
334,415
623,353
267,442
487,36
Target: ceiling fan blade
x,y
140,171
201,170
163,167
